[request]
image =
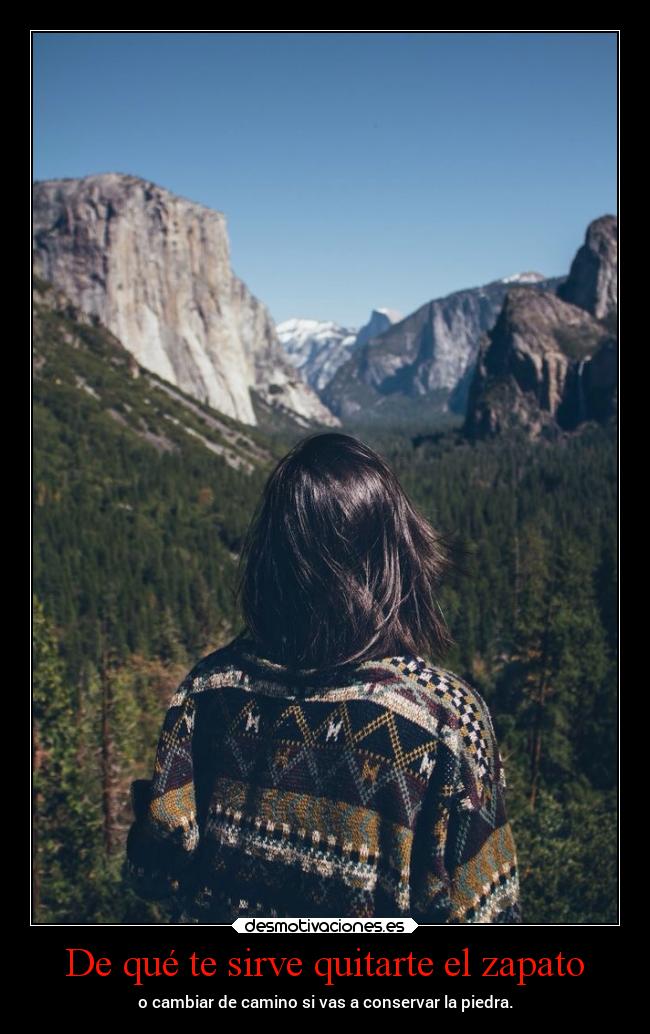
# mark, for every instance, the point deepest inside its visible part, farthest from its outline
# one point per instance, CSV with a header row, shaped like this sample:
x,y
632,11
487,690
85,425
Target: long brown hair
x,y
338,566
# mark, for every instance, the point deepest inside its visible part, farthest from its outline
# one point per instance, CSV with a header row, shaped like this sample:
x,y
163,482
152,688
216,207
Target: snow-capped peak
x,y
523,278
301,328
318,347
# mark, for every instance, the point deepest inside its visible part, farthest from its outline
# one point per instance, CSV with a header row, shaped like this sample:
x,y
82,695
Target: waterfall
x,y
581,393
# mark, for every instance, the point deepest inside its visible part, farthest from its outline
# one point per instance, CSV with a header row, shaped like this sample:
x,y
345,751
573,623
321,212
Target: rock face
x,y
551,361
154,268
75,360
379,322
427,355
318,347
592,283
546,365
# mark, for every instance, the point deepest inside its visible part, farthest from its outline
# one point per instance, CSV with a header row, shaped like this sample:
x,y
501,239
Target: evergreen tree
x,y
60,846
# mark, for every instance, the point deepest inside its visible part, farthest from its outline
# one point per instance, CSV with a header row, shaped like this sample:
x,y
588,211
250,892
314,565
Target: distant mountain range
x,y
153,269
317,348
423,362
527,351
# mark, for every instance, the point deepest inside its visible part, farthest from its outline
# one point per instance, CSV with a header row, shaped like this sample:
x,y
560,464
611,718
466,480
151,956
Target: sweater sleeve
x,y
163,840
465,859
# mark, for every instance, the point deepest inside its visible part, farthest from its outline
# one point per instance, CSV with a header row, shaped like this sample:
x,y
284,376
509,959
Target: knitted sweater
x,y
375,791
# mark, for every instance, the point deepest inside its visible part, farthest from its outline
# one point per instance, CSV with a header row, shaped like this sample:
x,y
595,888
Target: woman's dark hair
x,y
338,566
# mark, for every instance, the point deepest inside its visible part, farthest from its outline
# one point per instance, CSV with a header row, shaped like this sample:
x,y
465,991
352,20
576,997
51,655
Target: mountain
x,y
154,269
379,322
536,365
318,347
423,362
592,283
550,362
80,367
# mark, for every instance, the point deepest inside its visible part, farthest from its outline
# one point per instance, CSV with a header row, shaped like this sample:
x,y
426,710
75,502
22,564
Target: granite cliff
x,y
550,362
592,283
154,268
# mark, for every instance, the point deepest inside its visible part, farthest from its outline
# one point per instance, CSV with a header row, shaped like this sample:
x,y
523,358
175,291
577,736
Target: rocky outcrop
x,y
380,321
154,268
545,366
429,355
592,283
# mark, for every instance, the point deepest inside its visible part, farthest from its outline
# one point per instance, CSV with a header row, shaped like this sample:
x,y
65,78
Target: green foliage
x,y
568,857
532,604
57,807
135,547
116,514
89,741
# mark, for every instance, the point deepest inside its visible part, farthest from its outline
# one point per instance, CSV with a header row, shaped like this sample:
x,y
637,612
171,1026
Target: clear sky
x,y
356,170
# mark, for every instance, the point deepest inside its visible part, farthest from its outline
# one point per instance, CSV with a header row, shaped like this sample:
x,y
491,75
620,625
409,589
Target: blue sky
x,y
355,170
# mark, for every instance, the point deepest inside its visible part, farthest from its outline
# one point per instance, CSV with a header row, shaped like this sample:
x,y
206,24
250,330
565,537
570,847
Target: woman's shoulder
x,y
223,658
203,673
428,694
442,686
448,703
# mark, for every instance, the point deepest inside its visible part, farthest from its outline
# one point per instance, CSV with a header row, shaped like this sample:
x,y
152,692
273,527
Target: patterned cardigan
x,y
373,790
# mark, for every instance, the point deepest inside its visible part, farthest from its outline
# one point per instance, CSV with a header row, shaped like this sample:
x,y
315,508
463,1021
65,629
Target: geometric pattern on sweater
x,y
360,750
377,789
